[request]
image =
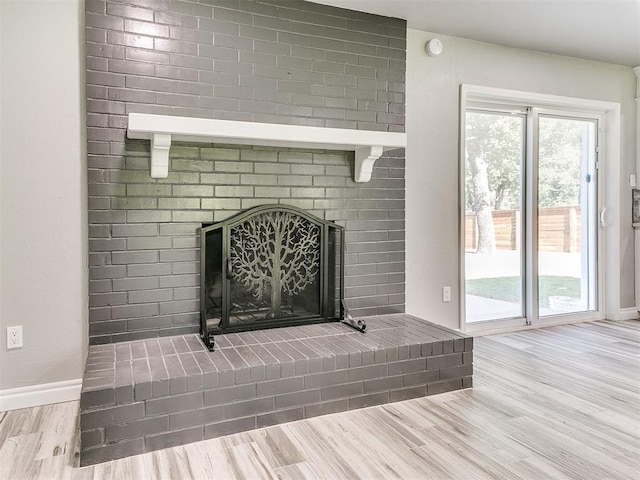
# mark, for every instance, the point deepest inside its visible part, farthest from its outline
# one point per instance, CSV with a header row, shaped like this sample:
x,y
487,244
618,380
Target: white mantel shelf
x,y
161,130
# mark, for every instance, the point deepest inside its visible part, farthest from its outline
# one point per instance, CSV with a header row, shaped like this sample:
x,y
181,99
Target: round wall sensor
x,y
433,47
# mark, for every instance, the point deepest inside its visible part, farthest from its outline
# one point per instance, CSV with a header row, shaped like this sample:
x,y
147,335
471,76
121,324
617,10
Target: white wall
x,y
43,191
432,153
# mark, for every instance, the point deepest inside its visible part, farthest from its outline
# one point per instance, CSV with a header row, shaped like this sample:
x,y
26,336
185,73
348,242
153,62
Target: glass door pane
x,y
494,144
567,214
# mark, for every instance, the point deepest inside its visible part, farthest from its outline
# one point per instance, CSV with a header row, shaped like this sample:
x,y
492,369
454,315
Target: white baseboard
x,y
630,313
43,394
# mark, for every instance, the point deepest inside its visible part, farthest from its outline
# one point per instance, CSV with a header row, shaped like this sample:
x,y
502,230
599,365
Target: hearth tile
x,y
194,343
284,360
367,372
124,373
436,348
325,408
159,377
377,385
111,416
345,390
272,367
338,357
240,367
314,358
273,335
124,394
97,398
99,366
123,352
153,347
443,361
355,354
166,346
295,399
368,400
99,383
420,378
325,379
245,408
234,339
425,350
171,439
177,375
407,366
91,438
180,345
257,366
407,393
193,418
174,403
221,396
445,386
367,351
467,357
247,338
283,385
447,346
300,361
468,344
456,372
138,350
136,429
106,453
195,383
222,341
279,417
230,426
189,364
260,337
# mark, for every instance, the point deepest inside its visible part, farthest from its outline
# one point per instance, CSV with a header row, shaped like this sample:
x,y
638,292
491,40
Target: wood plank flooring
x,y
558,403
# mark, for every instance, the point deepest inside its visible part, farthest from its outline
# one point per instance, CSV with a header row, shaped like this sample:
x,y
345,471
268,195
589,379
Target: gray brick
x,y
127,258
443,361
325,408
249,407
111,416
229,427
181,437
342,391
195,418
136,429
110,452
281,416
176,403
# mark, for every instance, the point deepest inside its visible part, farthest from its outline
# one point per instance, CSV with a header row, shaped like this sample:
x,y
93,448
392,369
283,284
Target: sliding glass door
x,y
530,226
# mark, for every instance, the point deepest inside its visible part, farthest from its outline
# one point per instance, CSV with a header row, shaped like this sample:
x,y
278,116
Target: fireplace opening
x,y
270,266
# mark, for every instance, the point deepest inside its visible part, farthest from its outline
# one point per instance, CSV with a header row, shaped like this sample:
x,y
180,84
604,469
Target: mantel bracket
x,y
365,159
160,145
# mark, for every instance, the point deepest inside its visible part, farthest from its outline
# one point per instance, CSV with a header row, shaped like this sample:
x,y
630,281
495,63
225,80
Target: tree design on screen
x,y
275,252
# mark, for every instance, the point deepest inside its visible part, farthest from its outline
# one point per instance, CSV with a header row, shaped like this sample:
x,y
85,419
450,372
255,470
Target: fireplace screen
x,y
270,266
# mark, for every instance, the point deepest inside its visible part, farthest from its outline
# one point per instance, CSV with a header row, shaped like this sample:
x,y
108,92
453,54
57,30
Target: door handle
x,y
601,216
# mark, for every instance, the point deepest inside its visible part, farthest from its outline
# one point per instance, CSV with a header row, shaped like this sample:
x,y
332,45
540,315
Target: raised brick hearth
x,y
150,394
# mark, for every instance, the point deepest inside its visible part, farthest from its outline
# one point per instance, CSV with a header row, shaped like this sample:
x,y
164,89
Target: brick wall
x,y
289,62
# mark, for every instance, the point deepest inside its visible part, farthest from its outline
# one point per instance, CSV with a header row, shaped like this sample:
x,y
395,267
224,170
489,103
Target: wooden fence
x,y
558,229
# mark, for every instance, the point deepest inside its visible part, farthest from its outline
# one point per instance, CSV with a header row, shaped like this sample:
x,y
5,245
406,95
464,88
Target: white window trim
x,y
610,171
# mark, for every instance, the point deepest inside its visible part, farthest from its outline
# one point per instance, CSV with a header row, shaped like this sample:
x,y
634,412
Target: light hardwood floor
x,y
560,402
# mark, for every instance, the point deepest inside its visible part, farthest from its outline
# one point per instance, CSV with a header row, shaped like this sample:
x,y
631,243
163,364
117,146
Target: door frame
x,y
608,304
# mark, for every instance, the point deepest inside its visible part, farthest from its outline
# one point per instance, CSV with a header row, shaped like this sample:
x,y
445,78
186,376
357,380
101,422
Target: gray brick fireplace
x,y
288,62
149,381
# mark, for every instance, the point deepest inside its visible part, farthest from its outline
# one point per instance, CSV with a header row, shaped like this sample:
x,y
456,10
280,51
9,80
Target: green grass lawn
x,y
508,289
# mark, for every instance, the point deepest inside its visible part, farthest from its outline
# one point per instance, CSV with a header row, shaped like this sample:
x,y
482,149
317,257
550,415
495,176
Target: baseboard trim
x,y
43,394
630,313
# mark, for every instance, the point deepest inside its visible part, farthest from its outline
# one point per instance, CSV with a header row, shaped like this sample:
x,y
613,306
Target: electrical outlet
x,y
14,337
446,294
